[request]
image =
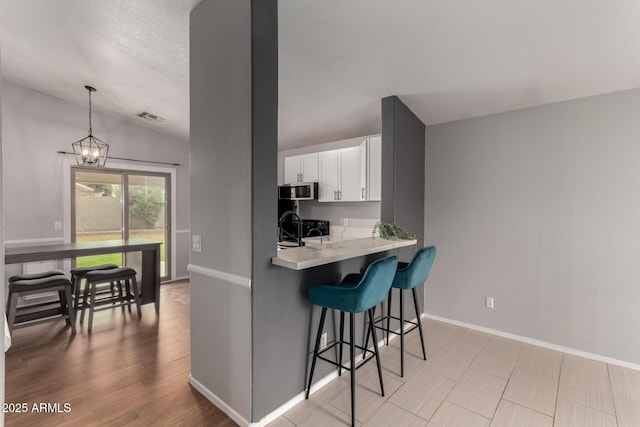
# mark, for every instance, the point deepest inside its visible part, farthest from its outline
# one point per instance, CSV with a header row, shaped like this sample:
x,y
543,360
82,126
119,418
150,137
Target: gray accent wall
x,y
221,212
403,147
539,209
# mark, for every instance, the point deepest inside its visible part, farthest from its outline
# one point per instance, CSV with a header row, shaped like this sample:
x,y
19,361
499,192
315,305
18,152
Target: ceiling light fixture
x,y
90,151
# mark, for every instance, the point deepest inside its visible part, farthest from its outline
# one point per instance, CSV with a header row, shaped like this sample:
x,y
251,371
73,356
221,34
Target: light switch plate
x,y
488,302
196,243
57,225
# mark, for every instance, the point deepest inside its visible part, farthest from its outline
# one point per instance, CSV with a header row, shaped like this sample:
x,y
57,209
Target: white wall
x,y
37,125
540,208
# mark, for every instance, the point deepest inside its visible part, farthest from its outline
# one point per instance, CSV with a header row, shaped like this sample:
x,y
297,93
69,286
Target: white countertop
x,y
312,255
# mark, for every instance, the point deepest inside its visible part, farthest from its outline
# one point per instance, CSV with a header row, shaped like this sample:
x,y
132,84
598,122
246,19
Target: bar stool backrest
x,y
416,273
375,283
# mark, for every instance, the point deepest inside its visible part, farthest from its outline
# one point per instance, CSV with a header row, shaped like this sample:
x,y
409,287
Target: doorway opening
x,y
110,204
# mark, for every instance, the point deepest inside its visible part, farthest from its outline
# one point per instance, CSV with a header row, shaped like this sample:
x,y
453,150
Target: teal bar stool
x,y
353,297
408,276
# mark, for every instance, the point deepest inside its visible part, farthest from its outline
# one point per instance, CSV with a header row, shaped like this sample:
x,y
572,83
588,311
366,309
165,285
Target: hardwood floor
x,y
129,371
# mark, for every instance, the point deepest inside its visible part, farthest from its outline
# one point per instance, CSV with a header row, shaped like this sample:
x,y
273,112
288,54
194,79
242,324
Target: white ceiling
x,y
445,59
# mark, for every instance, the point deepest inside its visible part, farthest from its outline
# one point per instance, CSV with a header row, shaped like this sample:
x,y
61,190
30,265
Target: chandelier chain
x,y
90,130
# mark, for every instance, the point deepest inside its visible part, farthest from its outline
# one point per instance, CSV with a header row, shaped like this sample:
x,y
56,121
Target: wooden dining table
x,y
149,276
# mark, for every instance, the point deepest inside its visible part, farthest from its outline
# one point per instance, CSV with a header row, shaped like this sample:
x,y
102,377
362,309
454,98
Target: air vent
x,y
151,117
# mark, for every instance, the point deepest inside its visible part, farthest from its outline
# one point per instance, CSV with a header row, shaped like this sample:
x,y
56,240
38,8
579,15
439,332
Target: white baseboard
x,y
175,279
536,342
272,416
219,403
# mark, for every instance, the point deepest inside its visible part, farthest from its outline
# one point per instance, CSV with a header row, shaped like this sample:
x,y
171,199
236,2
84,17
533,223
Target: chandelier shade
x,y
90,151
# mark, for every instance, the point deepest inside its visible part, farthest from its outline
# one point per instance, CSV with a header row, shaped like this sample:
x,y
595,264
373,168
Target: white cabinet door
x,y
374,168
364,170
349,174
328,176
291,169
350,185
302,168
309,167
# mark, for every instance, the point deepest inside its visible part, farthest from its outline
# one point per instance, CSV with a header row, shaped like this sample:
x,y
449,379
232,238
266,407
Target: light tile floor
x,y
476,379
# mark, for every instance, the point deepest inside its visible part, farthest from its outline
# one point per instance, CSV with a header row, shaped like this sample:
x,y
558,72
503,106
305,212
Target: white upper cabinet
x,y
328,183
302,168
350,174
340,175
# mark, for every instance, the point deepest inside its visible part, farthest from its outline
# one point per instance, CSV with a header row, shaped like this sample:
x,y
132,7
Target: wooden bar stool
x,y
118,275
34,284
77,278
353,298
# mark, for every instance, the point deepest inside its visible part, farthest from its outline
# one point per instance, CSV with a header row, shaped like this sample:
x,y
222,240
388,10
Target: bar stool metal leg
x,y
315,351
415,305
341,342
389,313
352,357
372,327
366,338
401,333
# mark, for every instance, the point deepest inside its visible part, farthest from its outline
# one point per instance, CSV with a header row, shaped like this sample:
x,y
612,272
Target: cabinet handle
x,y
339,195
335,197
363,196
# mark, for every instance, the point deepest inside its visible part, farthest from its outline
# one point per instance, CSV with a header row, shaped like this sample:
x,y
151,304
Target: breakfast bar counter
x,y
313,255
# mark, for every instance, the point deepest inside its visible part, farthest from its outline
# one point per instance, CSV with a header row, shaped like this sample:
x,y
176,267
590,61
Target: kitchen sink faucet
x,y
281,221
315,229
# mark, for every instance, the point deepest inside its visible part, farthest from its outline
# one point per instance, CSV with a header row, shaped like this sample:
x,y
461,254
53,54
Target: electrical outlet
x,y
488,302
196,243
323,340
57,225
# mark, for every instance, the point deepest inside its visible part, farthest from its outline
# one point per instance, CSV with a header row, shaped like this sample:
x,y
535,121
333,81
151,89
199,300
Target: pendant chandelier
x,y
90,151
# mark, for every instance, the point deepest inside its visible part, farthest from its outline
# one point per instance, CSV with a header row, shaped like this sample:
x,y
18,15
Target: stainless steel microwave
x,y
298,191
